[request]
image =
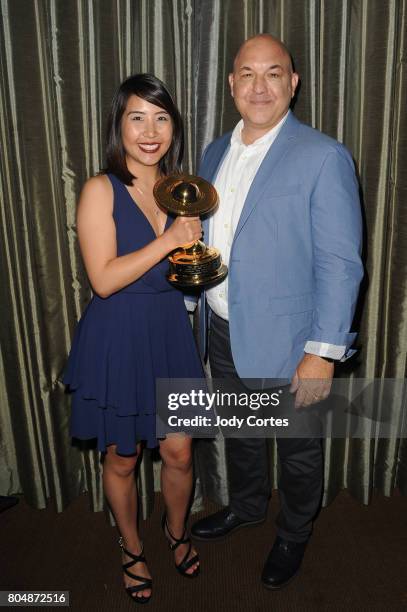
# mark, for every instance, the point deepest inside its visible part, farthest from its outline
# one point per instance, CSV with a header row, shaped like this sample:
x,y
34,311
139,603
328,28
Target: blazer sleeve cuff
x,y
343,339
324,349
332,351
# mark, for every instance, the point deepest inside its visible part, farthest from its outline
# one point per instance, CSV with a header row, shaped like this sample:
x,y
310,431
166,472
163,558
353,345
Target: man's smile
x,y
260,102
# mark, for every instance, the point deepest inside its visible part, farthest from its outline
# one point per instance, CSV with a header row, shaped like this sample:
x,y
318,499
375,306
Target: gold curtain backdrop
x,y
60,62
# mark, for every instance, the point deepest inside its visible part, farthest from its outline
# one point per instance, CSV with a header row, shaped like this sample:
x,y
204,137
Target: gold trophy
x,y
190,196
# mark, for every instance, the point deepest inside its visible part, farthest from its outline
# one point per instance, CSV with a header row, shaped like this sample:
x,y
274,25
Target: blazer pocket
x,y
292,304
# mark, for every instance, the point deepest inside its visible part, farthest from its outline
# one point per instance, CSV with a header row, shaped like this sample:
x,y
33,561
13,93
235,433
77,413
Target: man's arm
x,y
338,270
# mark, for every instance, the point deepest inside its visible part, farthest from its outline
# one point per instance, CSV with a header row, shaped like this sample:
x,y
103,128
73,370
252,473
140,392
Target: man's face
x,y
262,84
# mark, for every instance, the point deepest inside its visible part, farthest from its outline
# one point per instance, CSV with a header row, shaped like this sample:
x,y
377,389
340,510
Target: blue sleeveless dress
x,y
124,342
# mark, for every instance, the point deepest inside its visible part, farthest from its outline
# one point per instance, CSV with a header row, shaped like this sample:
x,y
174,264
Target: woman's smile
x,y
149,147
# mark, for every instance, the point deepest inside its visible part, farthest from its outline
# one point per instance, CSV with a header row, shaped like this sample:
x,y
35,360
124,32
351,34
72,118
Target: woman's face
x,y
146,132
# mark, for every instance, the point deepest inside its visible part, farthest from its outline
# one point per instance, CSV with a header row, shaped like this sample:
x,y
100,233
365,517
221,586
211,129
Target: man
x,y
289,227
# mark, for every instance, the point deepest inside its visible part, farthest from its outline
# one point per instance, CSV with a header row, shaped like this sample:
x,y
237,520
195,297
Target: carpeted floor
x,y
356,561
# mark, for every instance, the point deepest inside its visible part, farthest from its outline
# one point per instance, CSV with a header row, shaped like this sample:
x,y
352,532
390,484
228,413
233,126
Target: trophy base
x,y
197,281
195,266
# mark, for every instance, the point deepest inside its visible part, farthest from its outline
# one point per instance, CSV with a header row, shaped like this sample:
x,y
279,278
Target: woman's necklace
x,y
156,210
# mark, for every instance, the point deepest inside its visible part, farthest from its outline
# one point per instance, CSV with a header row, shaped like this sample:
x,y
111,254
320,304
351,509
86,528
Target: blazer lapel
x,y
210,168
273,158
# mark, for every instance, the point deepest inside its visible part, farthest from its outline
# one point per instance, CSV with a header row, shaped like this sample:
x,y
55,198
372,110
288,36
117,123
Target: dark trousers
x,y
301,461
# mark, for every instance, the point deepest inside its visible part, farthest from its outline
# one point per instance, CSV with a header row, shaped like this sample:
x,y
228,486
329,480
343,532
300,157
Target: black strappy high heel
x,y
185,563
145,583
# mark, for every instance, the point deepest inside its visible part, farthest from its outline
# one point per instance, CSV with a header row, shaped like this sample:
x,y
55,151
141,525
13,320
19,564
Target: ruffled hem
x,y
124,343
107,427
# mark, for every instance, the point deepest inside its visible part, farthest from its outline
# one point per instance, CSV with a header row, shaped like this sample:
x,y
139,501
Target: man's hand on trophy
x,y
184,232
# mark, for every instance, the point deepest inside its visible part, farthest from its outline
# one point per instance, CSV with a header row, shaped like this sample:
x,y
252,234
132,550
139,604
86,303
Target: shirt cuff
x,y
190,305
324,349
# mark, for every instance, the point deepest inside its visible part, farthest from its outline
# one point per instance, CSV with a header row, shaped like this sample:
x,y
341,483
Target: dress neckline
x,y
134,203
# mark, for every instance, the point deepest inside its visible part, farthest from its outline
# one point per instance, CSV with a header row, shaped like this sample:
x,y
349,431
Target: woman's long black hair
x,y
149,88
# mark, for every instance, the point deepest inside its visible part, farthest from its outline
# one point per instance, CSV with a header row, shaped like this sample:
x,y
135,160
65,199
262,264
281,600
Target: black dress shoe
x,y
220,524
283,563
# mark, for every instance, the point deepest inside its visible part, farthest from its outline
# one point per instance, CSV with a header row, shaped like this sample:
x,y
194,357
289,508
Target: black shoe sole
x,y
230,532
280,586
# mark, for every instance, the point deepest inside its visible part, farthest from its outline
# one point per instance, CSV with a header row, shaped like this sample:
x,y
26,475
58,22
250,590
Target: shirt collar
x,y
267,138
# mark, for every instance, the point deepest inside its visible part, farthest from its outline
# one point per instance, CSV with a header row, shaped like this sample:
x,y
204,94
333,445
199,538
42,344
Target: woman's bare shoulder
x,y
99,183
96,192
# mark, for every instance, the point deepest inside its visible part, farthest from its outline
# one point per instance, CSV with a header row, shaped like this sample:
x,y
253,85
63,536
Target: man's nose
x,y
259,84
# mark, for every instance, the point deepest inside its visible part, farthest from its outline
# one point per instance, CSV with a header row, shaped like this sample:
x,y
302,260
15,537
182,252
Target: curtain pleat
x,y
60,63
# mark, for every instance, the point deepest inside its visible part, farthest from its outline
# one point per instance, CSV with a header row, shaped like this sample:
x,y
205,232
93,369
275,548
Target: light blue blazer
x,y
295,266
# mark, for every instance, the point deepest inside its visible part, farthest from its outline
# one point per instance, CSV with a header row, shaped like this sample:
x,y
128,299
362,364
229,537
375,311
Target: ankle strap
x,y
136,558
177,541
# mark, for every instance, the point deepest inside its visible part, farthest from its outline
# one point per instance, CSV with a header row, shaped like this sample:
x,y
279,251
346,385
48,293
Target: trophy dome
x,y
185,192
185,195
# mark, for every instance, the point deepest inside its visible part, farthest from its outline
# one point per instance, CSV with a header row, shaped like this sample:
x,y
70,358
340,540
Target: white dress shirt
x,y
232,183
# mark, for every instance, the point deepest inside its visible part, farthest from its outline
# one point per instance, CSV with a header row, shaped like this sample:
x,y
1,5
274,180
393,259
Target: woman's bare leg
x,y
176,486
119,484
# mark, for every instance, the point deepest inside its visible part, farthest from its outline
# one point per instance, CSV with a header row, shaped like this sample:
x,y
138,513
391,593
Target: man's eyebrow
x,y
272,67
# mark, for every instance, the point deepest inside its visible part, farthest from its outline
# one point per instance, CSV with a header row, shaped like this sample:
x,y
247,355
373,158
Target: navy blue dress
x,y
124,342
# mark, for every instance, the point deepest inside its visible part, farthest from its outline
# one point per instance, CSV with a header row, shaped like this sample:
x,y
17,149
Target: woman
x,y
136,327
